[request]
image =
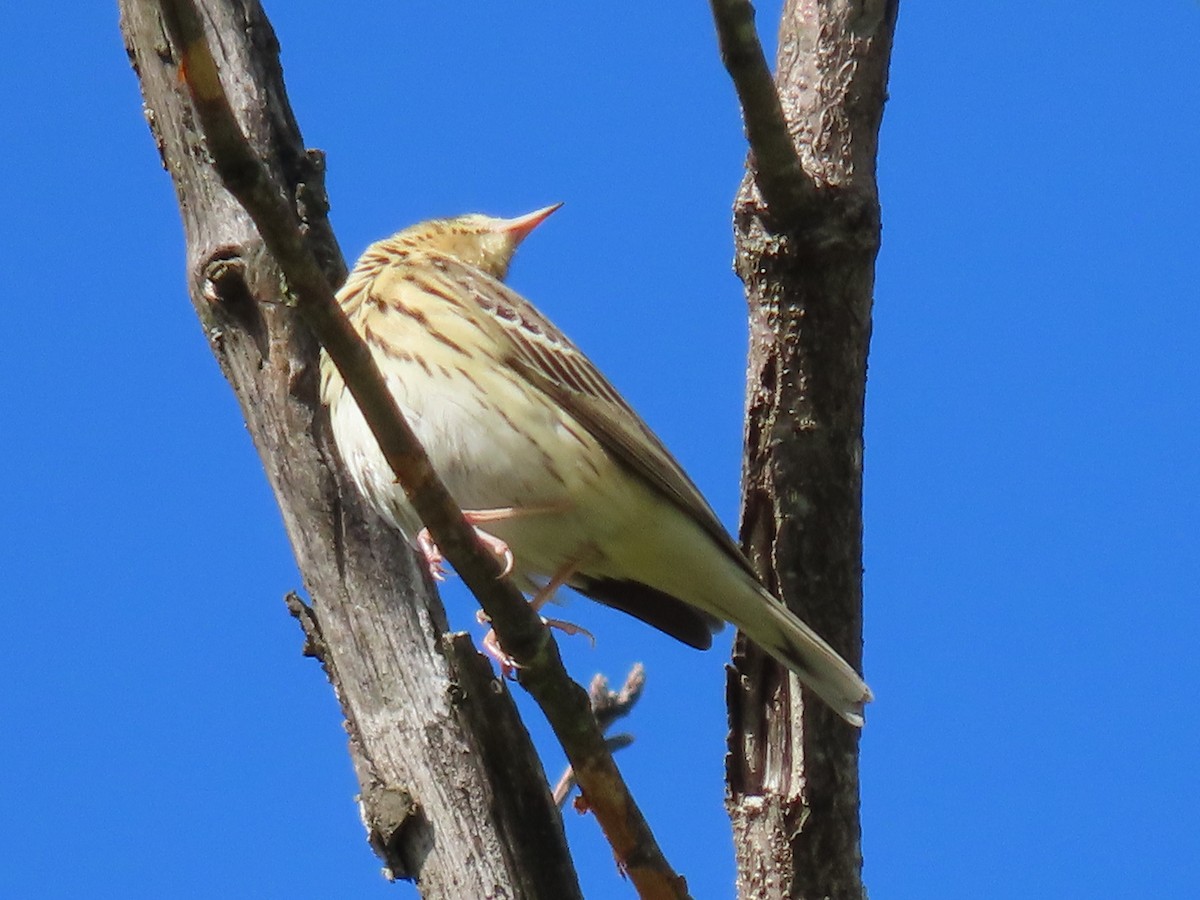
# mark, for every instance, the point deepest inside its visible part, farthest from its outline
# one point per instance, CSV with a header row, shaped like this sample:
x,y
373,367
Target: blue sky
x,y
1031,470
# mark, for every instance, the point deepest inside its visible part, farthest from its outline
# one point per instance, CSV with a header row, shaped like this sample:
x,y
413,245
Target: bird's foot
x,y
498,548
508,665
570,628
491,646
433,555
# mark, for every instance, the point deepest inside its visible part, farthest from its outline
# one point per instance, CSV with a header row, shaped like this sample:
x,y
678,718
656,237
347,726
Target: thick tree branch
x,y
438,806
518,627
808,267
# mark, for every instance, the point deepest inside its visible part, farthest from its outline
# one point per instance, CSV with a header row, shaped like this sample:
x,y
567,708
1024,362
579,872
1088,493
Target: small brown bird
x,y
535,445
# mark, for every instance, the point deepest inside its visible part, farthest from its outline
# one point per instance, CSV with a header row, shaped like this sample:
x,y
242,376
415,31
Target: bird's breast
x,y
496,442
490,438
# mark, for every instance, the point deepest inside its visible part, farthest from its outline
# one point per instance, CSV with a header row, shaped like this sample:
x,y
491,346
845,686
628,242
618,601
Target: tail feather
x,y
819,667
668,614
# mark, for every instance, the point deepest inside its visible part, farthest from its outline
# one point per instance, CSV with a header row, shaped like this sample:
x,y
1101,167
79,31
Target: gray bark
x,y
809,277
452,793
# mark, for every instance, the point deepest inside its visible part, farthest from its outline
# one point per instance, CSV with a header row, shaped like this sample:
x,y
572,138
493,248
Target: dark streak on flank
x,y
421,319
461,370
387,348
441,293
415,314
549,467
442,339
587,458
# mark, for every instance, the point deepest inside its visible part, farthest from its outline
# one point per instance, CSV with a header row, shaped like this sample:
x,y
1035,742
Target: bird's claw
x,y
491,646
570,628
433,555
437,562
498,549
508,665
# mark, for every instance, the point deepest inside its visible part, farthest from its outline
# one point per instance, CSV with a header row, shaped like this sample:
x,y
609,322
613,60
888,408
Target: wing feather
x,y
548,359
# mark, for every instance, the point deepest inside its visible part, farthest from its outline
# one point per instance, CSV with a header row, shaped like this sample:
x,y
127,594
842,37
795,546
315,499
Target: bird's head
x,y
481,241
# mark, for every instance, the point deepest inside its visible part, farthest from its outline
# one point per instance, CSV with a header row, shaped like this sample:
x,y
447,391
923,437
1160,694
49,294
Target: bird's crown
x,y
485,242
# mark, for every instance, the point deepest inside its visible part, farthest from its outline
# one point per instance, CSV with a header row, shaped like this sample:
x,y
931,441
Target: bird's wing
x,y
548,360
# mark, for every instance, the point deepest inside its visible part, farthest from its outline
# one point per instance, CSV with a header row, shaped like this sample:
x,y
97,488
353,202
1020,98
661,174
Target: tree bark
x,y
452,793
807,262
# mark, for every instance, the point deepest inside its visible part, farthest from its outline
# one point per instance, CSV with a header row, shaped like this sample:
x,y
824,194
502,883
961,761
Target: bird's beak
x,y
518,229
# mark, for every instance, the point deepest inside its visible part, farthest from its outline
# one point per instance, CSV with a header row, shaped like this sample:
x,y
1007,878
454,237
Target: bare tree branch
x,y
518,627
787,191
435,806
608,706
806,254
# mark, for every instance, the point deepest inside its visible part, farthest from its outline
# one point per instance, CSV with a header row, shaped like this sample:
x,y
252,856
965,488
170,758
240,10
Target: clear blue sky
x,y
1032,465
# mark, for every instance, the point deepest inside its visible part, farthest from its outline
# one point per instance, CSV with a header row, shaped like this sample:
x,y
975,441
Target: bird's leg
x,y
491,643
491,646
498,548
547,592
433,555
475,517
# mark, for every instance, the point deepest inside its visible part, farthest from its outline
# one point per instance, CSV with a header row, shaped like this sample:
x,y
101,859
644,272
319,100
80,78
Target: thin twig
x,y
785,188
566,781
521,632
607,706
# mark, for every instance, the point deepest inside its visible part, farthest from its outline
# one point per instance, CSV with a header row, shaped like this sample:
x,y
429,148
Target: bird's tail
x,y
784,636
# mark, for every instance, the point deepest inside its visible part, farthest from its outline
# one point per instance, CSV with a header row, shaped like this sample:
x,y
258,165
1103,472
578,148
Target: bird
x,y
558,474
